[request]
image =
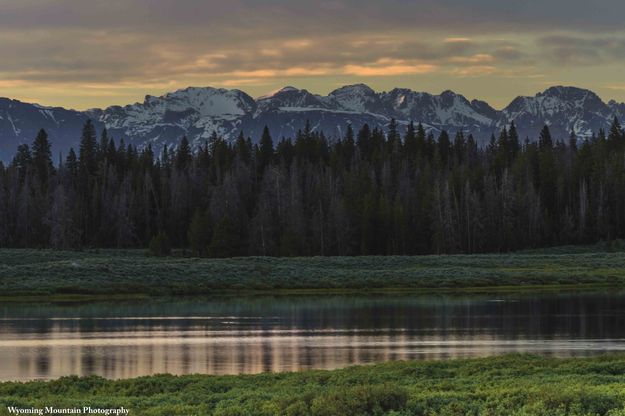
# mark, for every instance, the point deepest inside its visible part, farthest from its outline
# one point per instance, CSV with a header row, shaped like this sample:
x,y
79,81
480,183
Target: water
x,y
251,335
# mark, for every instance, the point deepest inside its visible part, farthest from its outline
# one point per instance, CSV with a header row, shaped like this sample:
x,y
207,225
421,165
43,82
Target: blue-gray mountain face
x,y
198,112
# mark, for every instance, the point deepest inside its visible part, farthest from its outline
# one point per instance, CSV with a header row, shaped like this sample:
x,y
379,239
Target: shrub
x,y
160,245
360,400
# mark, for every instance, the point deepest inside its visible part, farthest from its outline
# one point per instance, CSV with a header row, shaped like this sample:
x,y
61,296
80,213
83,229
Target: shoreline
x,y
529,289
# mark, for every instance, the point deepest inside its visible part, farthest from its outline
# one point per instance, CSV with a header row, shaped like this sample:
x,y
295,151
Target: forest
x,y
371,192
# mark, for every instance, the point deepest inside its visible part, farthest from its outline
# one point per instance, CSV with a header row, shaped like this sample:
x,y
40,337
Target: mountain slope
x,y
563,109
20,122
198,112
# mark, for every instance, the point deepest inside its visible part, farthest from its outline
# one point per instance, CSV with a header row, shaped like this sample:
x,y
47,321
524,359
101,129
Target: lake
x,y
289,333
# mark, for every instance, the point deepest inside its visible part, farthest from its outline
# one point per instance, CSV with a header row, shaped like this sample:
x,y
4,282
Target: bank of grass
x,y
25,273
505,385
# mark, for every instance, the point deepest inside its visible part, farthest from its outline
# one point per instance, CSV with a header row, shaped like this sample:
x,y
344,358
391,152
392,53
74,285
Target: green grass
x,y
131,272
506,385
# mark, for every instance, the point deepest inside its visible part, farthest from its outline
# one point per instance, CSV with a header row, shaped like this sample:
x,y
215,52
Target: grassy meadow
x,y
27,272
30,272
498,386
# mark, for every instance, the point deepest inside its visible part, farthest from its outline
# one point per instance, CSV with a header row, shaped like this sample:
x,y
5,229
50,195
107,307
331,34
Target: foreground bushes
x,y
518,385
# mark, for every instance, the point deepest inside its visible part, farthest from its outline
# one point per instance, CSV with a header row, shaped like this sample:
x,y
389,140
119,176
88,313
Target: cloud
x,y
509,53
457,40
478,58
474,71
583,50
300,18
132,47
616,87
388,69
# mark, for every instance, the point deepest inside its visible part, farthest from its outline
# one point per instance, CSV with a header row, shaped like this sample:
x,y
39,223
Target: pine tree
x,y
393,140
349,146
87,155
410,142
266,151
444,147
573,142
364,141
183,154
23,160
226,241
103,146
544,139
42,157
71,163
242,148
421,140
513,141
199,236
615,135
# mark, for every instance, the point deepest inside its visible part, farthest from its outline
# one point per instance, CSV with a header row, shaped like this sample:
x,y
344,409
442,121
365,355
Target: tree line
x,y
371,192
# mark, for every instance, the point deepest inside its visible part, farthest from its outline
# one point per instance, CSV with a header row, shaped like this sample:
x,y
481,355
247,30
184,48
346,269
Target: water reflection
x,y
217,336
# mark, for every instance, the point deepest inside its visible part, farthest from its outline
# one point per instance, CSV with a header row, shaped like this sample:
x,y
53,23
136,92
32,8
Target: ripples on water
x,y
251,335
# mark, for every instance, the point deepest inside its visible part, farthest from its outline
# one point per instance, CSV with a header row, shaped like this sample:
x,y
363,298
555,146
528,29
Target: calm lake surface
x,y
256,334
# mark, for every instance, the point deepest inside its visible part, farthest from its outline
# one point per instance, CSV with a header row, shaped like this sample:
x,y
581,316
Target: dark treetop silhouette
x,y
370,192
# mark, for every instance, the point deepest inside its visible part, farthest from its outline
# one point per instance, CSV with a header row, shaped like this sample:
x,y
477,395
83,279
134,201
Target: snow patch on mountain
x,y
198,112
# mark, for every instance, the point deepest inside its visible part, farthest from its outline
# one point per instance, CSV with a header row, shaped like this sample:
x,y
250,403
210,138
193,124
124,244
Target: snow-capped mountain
x,y
198,112
194,112
563,109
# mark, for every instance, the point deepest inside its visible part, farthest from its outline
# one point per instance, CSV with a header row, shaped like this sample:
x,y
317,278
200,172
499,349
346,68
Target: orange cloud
x,y
270,52
479,58
301,71
456,40
297,43
389,67
474,71
618,87
12,83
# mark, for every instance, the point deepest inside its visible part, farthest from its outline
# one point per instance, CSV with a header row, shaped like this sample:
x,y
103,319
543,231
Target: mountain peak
x,y
271,94
569,93
359,88
356,97
199,111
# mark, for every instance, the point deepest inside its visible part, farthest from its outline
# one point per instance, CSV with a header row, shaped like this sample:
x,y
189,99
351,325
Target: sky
x,y
85,54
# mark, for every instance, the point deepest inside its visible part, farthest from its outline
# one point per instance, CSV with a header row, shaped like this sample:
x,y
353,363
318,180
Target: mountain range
x,y
198,112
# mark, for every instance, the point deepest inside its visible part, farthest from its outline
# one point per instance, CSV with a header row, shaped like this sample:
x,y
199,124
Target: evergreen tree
x,y
71,163
393,139
200,233
615,135
265,153
183,154
226,241
42,157
22,160
87,155
513,141
544,139
410,141
444,147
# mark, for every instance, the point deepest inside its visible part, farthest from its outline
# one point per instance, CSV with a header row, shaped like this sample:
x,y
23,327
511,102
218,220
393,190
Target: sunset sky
x,y
84,54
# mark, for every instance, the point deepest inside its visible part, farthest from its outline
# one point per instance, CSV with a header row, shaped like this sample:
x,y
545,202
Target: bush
x,y
360,400
160,245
